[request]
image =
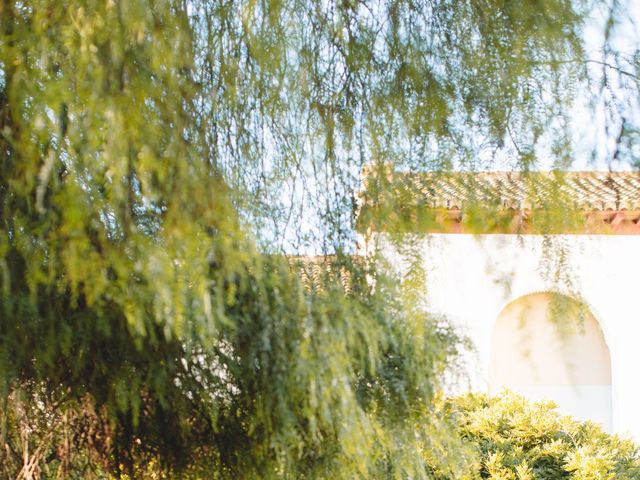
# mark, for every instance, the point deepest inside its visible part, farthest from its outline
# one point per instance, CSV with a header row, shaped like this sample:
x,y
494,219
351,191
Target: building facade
x,y
545,284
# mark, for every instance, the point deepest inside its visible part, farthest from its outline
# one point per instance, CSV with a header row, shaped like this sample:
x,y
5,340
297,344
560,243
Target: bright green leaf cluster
x,y
514,439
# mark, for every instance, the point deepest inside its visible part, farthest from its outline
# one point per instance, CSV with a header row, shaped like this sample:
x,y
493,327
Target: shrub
x,y
507,437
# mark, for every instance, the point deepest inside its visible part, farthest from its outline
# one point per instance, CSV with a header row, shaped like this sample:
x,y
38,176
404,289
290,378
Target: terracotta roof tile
x,y
599,193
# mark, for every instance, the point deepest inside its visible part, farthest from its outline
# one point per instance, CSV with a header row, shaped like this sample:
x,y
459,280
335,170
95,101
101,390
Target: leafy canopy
x,y
152,151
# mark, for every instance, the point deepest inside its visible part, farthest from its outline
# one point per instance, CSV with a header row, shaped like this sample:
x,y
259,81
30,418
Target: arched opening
x,y
548,345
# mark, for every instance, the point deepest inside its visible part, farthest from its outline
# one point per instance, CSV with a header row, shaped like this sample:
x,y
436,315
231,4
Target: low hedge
x,y
509,438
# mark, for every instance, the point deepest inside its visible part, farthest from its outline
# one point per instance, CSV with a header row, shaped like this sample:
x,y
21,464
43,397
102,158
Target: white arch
x,y
565,359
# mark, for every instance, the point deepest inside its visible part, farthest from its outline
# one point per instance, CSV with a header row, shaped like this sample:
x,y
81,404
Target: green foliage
x,y
511,438
151,151
296,386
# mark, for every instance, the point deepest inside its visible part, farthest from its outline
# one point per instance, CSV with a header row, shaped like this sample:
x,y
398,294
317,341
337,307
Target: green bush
x,y
508,437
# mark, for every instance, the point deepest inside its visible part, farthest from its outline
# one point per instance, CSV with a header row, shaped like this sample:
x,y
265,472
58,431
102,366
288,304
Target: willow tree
x,y
159,156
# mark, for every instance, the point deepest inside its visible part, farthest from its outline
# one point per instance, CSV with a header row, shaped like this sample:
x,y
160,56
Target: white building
x,y
552,315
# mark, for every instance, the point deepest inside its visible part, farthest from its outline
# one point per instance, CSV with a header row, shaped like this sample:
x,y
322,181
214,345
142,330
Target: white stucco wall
x,y
470,279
